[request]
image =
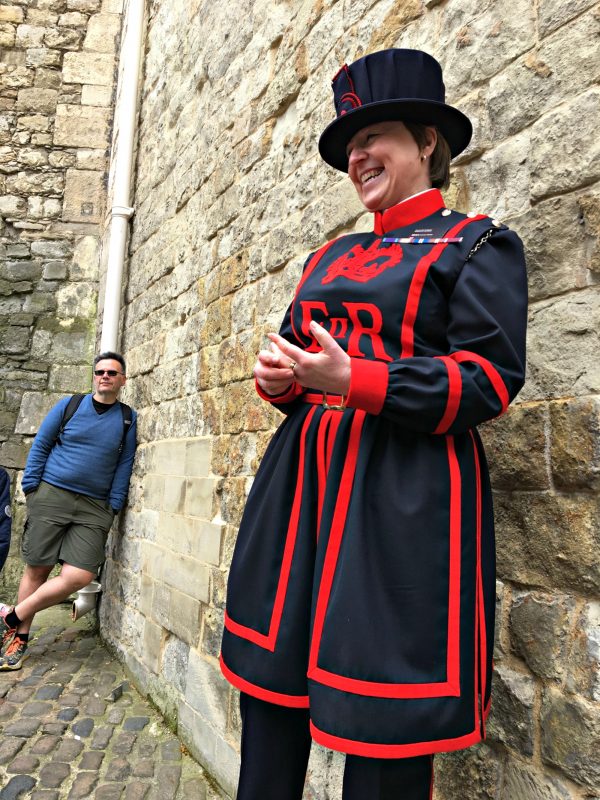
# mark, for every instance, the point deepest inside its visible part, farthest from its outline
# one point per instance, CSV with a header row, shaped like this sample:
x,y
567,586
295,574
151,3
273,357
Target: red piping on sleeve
x,y
290,394
491,372
454,394
368,385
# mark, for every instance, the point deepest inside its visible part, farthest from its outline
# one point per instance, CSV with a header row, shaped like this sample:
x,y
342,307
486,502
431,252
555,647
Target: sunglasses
x,y
110,372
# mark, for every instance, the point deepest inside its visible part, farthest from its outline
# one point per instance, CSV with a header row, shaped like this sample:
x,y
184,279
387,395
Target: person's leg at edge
x,y
388,779
36,592
275,749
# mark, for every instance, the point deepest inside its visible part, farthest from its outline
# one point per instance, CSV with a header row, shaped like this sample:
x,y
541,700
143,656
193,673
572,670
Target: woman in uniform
x,y
360,608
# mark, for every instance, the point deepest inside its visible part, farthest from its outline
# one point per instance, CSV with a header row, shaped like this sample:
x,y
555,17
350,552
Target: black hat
x,y
394,84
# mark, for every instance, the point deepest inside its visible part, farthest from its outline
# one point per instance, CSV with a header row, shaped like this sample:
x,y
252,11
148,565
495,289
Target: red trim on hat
x,y
408,211
351,98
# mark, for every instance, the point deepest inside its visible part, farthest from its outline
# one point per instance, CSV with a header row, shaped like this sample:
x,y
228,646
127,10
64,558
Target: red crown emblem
x,y
362,265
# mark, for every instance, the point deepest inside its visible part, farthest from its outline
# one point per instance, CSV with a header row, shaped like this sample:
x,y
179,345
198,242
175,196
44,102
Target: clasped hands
x,y
327,370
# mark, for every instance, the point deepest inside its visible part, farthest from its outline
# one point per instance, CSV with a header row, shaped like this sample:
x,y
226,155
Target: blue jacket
x,y
5,517
87,460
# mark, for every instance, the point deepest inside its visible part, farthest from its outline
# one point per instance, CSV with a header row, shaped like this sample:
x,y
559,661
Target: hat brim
x,y
455,127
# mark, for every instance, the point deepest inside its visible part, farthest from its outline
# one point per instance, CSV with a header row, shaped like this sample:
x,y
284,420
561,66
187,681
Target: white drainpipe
x,y
121,167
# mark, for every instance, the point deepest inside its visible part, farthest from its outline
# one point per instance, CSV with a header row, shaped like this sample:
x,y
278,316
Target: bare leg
x,y
44,593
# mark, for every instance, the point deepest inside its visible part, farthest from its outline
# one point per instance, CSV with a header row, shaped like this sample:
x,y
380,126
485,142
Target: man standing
x,y
75,481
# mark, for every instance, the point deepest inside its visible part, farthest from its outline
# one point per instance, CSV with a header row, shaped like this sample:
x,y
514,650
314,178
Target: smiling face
x,y
386,165
107,387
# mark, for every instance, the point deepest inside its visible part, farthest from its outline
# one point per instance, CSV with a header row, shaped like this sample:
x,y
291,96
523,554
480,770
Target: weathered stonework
x,y
54,137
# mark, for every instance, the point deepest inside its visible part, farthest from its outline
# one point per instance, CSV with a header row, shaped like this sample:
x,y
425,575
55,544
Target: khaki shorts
x,y
65,527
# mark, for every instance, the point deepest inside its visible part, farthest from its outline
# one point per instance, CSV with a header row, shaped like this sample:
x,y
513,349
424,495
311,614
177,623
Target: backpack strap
x,y
70,409
127,415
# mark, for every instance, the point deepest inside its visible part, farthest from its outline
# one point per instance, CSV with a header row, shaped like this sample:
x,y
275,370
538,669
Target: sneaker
x,y
6,633
14,655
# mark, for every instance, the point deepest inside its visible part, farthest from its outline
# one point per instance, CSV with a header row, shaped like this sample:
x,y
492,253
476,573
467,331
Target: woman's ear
x,y
431,136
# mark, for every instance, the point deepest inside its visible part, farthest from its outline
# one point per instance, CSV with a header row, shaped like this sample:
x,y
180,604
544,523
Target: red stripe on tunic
x,y
290,700
268,640
375,750
407,335
451,686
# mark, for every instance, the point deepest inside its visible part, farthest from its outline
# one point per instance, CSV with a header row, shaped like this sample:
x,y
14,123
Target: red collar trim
x,y
408,211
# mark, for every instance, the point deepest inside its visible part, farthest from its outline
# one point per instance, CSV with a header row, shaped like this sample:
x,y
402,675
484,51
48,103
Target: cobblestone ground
x,y
71,726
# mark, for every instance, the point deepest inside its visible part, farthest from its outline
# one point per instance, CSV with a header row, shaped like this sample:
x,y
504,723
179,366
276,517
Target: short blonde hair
x,y
439,161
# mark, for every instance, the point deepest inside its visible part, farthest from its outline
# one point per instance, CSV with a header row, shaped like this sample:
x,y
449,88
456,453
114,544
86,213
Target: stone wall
x,y
230,197
57,64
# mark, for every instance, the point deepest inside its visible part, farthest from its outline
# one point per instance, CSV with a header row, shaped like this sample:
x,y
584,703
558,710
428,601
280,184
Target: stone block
x,y
81,126
174,494
29,36
209,747
175,662
151,652
96,96
102,33
73,346
589,208
73,19
584,658
524,782
552,14
184,617
575,444
154,486
86,259
554,143
63,38
29,182
84,196
61,159
54,271
7,35
555,264
12,206
512,717
51,248
47,78
11,14
76,300
571,736
92,159
68,379
207,692
199,497
563,364
43,57
198,457
40,100
538,630
15,340
34,407
89,68
170,457
146,595
515,446
33,122
43,208
188,575
84,6
536,545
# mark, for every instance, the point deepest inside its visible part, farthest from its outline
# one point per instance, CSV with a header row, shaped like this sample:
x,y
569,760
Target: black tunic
x,y
363,579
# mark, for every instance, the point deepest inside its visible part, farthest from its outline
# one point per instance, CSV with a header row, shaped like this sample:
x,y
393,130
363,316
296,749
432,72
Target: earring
x,y
423,157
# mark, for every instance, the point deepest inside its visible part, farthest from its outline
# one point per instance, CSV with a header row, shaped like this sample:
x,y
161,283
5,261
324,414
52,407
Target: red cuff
x,y
294,391
368,385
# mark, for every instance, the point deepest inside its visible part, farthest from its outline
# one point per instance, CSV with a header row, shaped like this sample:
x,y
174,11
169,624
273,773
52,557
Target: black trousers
x,y
275,749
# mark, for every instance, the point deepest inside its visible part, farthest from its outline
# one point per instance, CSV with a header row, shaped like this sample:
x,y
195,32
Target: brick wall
x,y
230,197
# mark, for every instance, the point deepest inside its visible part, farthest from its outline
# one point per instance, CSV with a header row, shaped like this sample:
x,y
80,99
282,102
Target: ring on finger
x,y
292,365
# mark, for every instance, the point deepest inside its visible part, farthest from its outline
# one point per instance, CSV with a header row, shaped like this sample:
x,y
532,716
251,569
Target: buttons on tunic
x,y
472,214
445,212
496,223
